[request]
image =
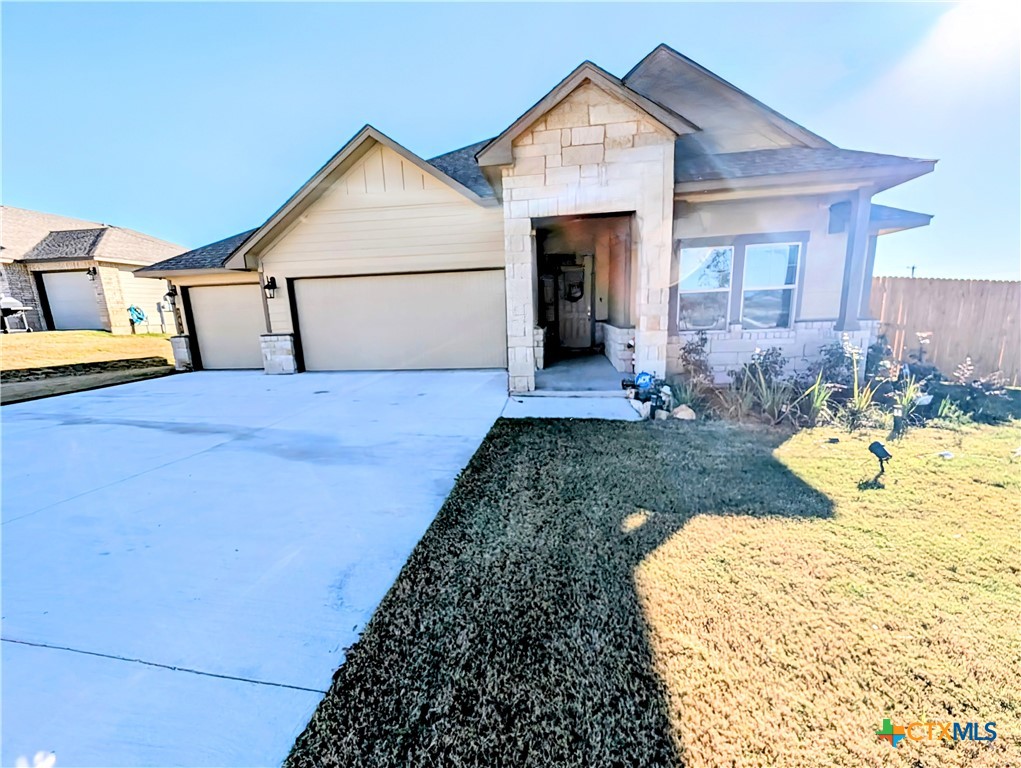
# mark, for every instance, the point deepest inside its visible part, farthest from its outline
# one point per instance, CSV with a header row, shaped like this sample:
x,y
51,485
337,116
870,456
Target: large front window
x,y
703,300
770,274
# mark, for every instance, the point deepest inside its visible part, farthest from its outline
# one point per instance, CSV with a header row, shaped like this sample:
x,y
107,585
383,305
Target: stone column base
x,y
278,353
182,352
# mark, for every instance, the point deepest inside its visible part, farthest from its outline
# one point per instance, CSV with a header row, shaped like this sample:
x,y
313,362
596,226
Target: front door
x,y
575,284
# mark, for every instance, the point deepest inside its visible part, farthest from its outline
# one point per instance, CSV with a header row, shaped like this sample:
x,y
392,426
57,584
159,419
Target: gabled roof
x,y
34,235
212,256
498,151
337,165
67,244
674,80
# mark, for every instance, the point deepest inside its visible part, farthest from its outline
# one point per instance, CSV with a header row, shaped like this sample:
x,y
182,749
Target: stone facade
x,y
618,343
181,346
730,349
278,353
592,153
17,282
539,338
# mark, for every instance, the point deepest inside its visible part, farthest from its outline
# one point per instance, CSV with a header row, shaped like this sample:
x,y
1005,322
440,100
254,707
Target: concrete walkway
x,y
185,559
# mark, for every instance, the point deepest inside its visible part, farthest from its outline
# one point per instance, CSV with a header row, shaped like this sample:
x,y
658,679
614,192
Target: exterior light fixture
x,y
270,287
878,450
171,291
91,272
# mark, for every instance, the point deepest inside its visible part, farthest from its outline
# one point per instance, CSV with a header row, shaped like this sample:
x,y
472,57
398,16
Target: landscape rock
x,y
684,412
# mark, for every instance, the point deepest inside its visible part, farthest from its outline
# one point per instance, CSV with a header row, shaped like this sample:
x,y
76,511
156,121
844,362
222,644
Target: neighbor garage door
x,y
73,301
395,322
228,321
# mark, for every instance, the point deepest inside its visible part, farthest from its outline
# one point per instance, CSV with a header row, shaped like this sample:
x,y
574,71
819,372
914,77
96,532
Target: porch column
x,y
519,253
866,290
855,261
654,220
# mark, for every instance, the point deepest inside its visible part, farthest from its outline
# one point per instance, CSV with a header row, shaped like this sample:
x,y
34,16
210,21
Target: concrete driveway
x,y
186,559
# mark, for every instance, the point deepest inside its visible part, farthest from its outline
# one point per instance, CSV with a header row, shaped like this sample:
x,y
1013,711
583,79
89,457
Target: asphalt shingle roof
x,y
212,256
460,165
765,162
67,244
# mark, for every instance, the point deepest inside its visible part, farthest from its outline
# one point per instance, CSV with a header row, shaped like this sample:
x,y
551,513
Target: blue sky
x,y
195,121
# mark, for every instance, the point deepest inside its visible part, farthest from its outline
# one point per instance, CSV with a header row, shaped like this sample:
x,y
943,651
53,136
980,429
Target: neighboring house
x,y
618,216
78,274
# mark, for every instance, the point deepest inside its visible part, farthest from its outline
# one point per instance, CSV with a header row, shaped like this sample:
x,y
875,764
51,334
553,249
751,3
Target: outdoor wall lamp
x,y
91,272
270,287
171,291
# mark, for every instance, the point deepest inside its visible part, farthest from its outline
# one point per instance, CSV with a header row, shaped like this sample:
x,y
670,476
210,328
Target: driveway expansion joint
x,y
170,667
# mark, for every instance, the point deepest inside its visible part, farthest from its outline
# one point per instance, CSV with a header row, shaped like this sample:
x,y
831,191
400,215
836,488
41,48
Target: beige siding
x,y
147,295
823,262
384,215
397,322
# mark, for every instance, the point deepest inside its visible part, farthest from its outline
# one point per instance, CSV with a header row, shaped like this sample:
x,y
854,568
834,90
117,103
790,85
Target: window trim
x,y
738,242
729,290
793,287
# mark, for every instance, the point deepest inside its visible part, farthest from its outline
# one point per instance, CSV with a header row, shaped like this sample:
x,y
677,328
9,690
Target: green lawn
x,y
703,594
49,348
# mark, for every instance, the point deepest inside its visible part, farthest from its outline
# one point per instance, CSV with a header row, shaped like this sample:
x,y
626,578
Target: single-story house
x,y
616,217
79,275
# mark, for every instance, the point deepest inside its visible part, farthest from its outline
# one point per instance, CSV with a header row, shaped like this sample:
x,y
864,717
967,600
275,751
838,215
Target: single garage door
x,y
73,301
397,322
228,321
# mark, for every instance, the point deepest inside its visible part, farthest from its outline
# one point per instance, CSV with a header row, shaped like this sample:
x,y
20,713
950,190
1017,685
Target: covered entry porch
x,y
584,301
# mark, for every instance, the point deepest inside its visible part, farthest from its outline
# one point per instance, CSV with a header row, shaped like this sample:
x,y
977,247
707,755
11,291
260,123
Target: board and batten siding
x,y
385,215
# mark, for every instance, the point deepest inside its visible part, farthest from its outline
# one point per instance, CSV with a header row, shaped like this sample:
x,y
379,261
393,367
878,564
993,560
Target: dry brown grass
x,y
48,348
698,594
786,642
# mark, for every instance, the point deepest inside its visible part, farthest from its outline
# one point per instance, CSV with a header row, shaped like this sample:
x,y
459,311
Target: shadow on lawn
x,y
513,635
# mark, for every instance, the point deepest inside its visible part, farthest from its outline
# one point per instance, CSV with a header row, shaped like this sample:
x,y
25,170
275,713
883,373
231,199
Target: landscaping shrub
x,y
769,364
814,403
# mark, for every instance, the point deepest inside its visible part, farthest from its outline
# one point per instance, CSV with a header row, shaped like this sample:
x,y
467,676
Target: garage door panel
x,y
72,300
403,322
229,321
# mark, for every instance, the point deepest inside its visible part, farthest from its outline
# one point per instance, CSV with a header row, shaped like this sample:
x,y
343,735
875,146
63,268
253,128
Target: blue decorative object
x,y
643,380
136,315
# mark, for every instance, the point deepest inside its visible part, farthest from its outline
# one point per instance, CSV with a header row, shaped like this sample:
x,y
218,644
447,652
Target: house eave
x,y
811,181
168,273
91,259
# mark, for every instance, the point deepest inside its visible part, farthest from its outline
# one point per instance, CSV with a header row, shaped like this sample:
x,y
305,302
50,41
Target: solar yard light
x,y
878,450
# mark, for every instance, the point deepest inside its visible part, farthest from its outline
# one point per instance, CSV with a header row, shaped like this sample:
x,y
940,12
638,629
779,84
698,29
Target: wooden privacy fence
x,y
967,318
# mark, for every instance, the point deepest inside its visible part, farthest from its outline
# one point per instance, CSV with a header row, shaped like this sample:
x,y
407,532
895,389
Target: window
x,y
703,288
770,274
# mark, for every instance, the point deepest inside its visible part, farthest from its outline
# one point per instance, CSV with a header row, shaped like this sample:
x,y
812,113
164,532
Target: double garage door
x,y
378,322
401,322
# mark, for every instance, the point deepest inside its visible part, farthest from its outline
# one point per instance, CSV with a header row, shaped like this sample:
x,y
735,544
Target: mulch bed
x,y
79,369
513,636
